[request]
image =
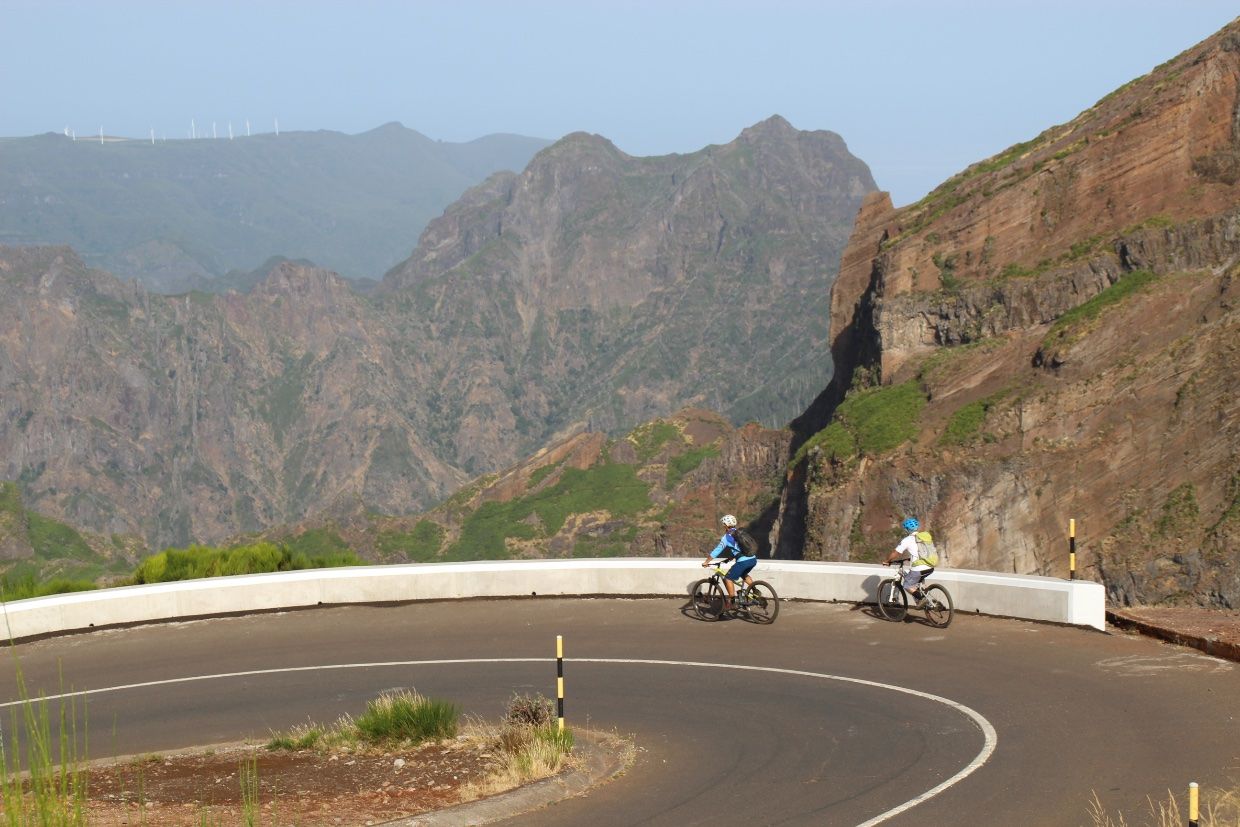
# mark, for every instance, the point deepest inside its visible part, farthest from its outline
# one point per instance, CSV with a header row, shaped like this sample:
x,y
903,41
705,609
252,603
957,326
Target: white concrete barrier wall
x,y
1035,598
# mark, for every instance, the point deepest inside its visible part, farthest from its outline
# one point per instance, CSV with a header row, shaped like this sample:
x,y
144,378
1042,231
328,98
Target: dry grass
x,y
1218,809
525,753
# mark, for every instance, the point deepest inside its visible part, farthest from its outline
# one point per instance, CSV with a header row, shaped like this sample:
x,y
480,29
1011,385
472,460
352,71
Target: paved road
x,y
1075,711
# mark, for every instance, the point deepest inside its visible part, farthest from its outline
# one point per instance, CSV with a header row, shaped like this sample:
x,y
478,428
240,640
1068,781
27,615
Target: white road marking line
x,y
989,735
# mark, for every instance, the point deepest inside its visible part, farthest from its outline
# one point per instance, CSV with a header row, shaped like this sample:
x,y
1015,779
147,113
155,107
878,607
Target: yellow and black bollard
x,y
559,679
1192,805
1072,549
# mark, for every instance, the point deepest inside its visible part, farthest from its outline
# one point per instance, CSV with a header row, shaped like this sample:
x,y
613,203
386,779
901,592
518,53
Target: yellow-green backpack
x,y
925,548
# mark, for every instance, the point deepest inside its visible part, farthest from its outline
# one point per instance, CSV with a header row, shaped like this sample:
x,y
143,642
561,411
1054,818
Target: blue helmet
x,y
911,524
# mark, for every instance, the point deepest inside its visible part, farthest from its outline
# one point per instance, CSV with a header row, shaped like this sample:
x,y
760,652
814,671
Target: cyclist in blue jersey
x,y
744,563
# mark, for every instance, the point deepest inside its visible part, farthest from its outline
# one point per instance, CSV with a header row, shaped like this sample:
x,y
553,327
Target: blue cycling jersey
x,y
729,546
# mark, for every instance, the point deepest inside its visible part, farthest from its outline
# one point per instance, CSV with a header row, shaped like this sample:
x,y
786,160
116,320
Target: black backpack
x,y
747,542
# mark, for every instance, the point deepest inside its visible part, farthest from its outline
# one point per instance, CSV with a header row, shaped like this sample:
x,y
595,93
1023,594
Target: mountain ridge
x,y
540,304
180,214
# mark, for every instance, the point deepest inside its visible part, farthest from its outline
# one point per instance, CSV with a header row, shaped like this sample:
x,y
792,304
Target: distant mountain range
x,y
177,215
590,291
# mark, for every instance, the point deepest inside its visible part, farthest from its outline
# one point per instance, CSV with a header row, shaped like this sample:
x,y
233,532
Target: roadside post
x,y
559,680
1072,549
1192,805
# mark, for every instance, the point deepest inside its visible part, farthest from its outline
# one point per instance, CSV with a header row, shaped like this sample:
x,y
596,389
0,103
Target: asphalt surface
x,y
1075,712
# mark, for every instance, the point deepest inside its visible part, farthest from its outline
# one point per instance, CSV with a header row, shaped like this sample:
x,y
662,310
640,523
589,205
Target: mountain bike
x,y
893,601
757,602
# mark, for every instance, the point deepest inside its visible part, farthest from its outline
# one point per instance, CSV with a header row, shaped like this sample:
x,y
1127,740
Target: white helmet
x,y
729,521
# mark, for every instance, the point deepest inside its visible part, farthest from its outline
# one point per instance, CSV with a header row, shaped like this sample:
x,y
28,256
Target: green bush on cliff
x,y
681,465
649,438
317,542
611,487
871,422
51,539
420,544
1071,324
205,561
965,424
23,586
884,418
835,442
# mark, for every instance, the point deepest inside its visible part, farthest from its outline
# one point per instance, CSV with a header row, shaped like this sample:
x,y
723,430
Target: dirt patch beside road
x,y
1213,631
304,787
315,788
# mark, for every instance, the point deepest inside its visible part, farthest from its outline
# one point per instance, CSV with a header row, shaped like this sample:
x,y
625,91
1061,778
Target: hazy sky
x,y
918,88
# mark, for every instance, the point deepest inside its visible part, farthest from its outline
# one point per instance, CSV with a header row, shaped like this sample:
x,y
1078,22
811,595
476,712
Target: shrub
x,y
883,418
25,586
611,487
681,465
257,558
298,739
871,421
420,545
530,710
649,438
407,716
966,423
1090,310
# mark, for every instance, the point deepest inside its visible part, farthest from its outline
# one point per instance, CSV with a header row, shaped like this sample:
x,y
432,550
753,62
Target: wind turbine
x,y
101,136
277,127
230,130
152,137
213,135
193,129
247,127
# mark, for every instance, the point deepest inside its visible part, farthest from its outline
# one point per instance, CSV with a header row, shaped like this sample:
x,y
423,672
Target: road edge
x,y
600,757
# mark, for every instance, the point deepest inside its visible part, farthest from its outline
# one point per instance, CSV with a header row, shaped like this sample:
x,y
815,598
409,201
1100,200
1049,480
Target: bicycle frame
x,y
756,601
893,599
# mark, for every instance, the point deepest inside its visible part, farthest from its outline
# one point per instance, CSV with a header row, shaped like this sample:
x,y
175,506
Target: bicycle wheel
x,y
939,607
707,600
763,602
892,600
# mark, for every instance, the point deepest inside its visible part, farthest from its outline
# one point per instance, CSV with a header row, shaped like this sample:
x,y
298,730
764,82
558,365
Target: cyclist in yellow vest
x,y
919,567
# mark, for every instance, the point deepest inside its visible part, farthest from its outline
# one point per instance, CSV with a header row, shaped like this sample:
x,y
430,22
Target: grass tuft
x,y
1218,809
407,716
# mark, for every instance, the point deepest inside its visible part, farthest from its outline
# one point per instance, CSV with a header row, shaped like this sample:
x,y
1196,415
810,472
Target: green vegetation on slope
x,y
610,487
421,544
62,560
204,561
681,465
1074,324
870,422
965,425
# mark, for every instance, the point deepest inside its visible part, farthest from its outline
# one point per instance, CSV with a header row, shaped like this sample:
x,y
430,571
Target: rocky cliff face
x,y
600,290
1061,321
196,416
591,292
